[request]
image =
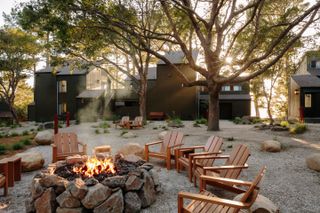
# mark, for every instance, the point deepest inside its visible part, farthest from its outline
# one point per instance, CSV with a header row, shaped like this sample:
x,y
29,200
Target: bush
x,y
17,146
237,120
155,127
97,131
104,125
26,141
298,128
25,132
201,121
284,124
3,149
13,134
106,131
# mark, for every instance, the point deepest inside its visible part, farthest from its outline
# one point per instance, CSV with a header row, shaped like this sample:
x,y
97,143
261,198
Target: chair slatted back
x,y
213,144
66,142
238,157
251,194
124,120
170,139
138,121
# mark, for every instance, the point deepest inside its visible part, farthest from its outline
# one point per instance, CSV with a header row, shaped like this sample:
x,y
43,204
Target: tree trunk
x,y
269,112
143,98
13,112
213,107
256,106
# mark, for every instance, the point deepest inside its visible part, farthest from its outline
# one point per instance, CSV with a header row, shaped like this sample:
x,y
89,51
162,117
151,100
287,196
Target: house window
x,y
225,88
307,100
237,88
62,86
313,64
62,108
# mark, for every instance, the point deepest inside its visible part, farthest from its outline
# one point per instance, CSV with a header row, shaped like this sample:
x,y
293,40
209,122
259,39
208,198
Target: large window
x,y
307,100
237,88
62,108
225,88
315,64
62,86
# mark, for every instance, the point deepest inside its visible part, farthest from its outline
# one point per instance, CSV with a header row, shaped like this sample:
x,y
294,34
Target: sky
x,y
6,6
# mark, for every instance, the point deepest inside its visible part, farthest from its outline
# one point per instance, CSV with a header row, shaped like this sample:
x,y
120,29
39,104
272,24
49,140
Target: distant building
x,y
304,89
70,90
5,114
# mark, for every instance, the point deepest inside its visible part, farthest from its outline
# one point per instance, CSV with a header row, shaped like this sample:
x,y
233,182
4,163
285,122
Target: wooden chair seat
x,y
172,140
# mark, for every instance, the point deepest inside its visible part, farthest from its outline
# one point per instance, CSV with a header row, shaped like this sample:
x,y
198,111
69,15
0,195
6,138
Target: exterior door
x,y
225,111
312,105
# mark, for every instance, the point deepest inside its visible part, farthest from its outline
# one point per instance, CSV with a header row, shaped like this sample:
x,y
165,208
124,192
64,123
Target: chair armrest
x,y
53,145
212,157
212,199
225,180
177,145
204,153
153,143
229,167
190,147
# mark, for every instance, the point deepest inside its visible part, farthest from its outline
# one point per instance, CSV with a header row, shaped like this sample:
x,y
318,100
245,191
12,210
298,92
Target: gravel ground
x,y
288,182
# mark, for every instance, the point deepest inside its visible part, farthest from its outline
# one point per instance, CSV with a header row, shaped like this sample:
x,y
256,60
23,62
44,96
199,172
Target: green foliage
x,y
199,121
104,125
3,149
106,131
196,125
25,132
298,128
123,132
97,131
230,139
14,134
26,141
237,120
155,127
284,124
17,146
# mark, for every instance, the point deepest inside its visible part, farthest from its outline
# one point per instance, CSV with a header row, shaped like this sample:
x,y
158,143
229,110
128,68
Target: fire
x,y
94,166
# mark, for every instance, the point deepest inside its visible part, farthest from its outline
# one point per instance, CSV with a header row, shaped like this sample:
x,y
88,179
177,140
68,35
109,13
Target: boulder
x,y
115,181
95,196
52,180
148,194
91,181
313,162
66,200
46,203
133,183
261,205
44,137
29,205
31,161
132,202
162,134
36,188
129,135
78,188
113,204
132,158
271,146
132,148
155,177
70,210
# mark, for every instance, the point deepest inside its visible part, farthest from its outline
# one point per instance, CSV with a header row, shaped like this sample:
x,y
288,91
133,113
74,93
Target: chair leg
x,y
168,160
146,153
195,180
190,172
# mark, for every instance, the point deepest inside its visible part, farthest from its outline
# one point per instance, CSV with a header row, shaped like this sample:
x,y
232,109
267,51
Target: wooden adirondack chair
x,y
124,122
137,122
212,147
172,140
4,181
232,168
206,202
66,144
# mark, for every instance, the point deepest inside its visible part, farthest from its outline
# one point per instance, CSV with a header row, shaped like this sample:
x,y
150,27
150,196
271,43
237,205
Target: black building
x,y
67,89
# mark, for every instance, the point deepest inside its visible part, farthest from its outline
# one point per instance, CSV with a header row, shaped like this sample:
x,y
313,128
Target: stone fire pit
x,y
134,186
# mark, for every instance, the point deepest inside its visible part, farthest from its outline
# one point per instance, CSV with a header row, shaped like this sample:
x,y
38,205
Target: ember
x,y
94,166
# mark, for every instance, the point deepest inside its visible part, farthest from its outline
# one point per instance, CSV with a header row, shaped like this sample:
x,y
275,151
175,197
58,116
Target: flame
x,y
94,166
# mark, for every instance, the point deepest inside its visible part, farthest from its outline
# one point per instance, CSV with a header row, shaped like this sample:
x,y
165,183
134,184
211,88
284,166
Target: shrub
x,y
25,132
17,146
123,132
3,149
284,124
97,131
106,131
298,128
26,141
237,120
230,139
39,128
201,121
104,125
155,127
13,134
196,125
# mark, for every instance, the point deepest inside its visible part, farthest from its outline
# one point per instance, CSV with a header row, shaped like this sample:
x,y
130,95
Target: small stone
x,y
132,202
115,181
52,180
113,204
155,177
129,135
148,193
66,200
260,205
147,166
46,203
91,181
133,183
162,134
78,188
70,210
313,162
44,137
36,188
95,196
132,158
271,146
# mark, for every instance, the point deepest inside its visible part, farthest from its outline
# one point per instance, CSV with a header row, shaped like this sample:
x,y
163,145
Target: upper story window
x,y
62,86
237,88
315,64
226,88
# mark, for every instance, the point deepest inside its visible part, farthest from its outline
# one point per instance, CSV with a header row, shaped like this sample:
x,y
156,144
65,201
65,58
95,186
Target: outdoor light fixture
x,y
296,92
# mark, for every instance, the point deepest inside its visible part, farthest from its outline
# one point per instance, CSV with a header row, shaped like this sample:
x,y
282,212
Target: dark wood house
x,y
304,89
67,89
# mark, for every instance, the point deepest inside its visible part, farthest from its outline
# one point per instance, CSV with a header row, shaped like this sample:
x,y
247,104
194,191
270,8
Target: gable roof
x,y
65,70
306,80
178,57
